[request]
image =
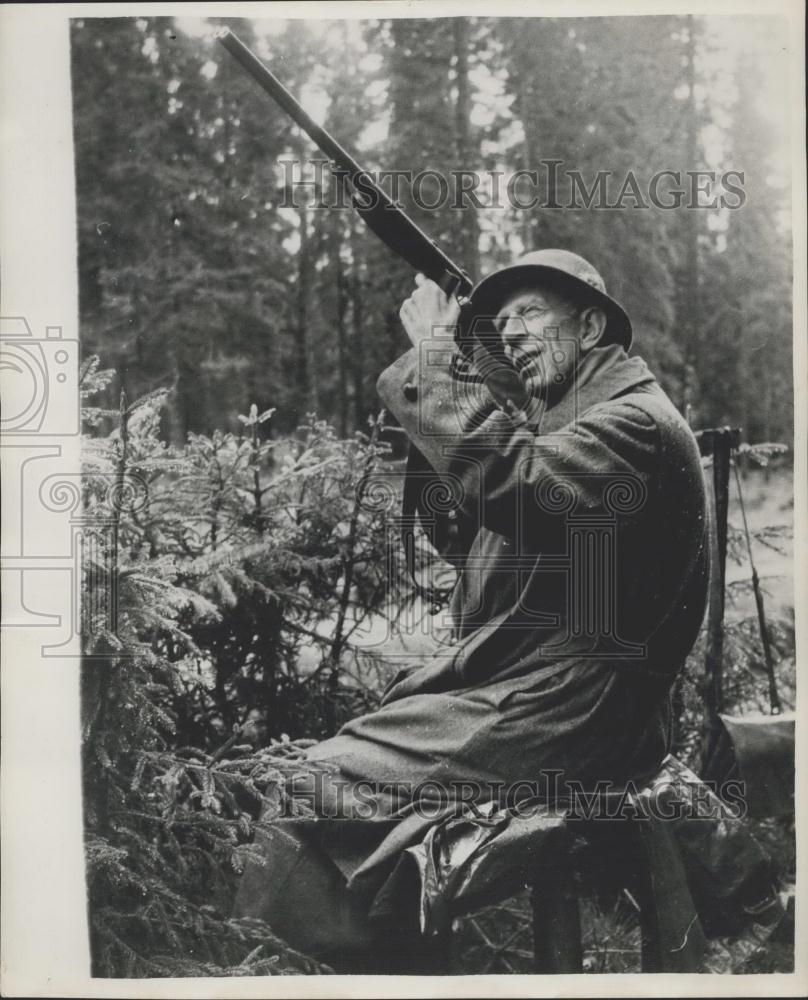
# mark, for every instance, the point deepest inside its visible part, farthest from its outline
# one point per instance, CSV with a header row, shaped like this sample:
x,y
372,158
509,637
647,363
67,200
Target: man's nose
x,y
512,330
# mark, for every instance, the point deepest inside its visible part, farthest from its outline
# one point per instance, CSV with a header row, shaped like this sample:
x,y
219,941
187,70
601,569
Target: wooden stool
x,y
673,834
644,856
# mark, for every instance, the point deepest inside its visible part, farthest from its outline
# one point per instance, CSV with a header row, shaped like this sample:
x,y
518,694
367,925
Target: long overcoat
x,y
581,593
582,587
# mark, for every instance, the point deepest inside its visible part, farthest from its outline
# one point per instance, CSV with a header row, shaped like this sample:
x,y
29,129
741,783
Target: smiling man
x,y
582,574
581,509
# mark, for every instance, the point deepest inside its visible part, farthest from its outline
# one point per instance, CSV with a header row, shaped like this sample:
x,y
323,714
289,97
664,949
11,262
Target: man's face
x,y
536,326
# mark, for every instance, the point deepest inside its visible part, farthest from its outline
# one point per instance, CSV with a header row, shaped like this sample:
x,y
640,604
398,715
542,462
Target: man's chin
x,y
537,388
538,382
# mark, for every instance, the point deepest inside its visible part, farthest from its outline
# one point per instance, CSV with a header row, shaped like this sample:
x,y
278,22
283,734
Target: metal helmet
x,y
488,294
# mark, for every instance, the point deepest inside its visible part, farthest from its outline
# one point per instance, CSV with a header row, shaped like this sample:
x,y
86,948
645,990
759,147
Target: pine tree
x,y
208,573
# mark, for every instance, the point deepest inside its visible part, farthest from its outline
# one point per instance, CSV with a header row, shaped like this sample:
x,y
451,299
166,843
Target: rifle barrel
x,y
387,219
276,90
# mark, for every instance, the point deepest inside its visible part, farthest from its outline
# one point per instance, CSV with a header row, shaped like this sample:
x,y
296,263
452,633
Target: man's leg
x,y
302,895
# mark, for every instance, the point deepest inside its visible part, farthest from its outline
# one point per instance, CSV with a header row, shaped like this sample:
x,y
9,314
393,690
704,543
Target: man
x,y
582,583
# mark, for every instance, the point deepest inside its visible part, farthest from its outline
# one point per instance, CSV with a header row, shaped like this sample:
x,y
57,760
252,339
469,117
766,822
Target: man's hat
x,y
573,271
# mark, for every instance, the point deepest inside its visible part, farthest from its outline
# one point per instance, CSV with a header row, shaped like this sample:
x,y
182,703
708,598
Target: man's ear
x,y
593,323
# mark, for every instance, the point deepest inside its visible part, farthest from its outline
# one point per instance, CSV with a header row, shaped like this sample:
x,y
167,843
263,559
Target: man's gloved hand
x,y
428,312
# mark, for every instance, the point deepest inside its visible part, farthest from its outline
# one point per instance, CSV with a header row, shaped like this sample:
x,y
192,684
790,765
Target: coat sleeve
x,y
434,410
505,471
606,460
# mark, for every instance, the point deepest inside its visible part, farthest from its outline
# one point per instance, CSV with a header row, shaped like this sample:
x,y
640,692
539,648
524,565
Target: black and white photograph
x,y
403,447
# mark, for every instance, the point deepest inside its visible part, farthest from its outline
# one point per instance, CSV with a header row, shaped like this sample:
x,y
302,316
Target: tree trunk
x,y
468,228
342,338
357,331
689,289
302,367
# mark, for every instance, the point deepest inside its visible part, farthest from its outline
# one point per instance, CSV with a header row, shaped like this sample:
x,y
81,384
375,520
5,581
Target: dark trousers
x,y
304,898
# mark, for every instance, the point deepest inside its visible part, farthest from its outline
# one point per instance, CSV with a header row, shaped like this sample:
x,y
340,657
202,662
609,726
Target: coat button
x,y
410,392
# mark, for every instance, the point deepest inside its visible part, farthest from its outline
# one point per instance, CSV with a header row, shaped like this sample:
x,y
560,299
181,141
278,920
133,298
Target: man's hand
x,y
428,312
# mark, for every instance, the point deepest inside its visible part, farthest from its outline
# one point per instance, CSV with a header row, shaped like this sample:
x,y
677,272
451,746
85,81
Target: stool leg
x,y
556,920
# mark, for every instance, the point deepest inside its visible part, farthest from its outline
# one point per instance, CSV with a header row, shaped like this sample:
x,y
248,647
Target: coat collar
x,y
604,373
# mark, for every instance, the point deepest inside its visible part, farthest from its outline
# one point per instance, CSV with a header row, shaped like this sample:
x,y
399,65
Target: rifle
x,y
382,215
479,358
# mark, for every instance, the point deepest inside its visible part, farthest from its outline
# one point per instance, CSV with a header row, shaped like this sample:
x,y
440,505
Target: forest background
x,y
232,343
193,277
